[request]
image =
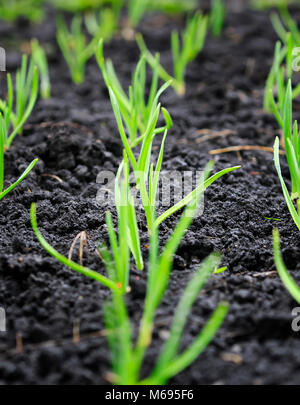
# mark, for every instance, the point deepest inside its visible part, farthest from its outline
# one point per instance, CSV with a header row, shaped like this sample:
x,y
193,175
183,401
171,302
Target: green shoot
x,y
220,270
124,197
283,64
192,42
173,6
285,25
217,17
27,86
266,4
136,108
127,368
136,113
77,6
12,123
40,60
74,47
285,276
136,10
144,171
104,23
26,93
3,192
278,78
30,9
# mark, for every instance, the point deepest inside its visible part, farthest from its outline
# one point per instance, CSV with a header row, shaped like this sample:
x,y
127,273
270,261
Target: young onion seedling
x,y
104,22
281,72
146,175
135,108
184,51
12,123
284,24
144,170
283,64
217,16
40,60
27,85
128,357
74,47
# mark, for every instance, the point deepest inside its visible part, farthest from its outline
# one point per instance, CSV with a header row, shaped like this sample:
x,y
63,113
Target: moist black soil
x,y
75,137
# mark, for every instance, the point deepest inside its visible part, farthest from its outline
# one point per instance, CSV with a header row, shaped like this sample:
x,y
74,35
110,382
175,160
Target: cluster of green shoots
x,y
104,23
280,78
281,73
187,46
104,15
12,120
137,118
74,47
184,51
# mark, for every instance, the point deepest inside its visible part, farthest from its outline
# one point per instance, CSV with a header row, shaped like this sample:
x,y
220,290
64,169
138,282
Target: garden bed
x,y
74,136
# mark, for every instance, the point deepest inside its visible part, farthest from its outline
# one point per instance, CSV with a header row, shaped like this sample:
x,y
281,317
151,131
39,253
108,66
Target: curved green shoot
x,y
285,276
184,360
65,261
195,285
16,183
199,189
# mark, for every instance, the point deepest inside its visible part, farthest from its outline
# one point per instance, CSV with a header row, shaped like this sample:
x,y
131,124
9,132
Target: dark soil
x,y
74,136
